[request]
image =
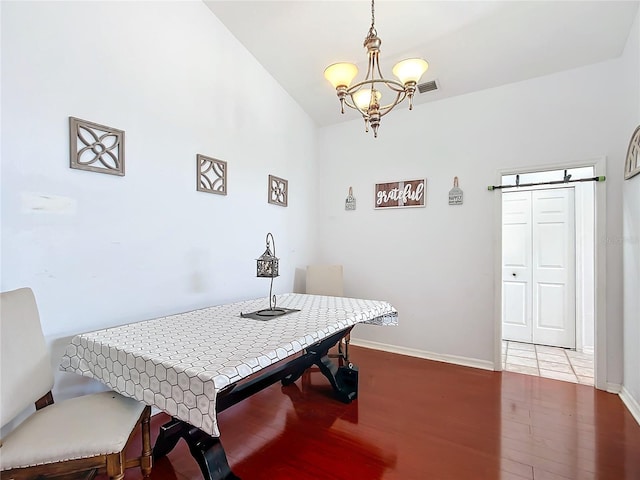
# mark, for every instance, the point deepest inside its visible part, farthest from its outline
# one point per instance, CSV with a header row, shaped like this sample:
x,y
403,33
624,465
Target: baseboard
x,y
614,388
412,352
631,403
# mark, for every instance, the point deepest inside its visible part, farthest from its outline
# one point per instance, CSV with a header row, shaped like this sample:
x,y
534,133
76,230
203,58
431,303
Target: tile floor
x,y
549,362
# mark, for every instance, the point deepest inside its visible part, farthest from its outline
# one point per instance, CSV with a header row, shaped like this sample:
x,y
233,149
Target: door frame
x,y
599,165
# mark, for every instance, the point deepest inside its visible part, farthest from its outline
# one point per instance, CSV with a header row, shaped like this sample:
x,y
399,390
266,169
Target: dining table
x,y
196,364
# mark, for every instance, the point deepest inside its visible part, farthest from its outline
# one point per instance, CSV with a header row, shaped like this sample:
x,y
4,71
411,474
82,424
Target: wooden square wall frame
x,y
211,175
95,147
278,190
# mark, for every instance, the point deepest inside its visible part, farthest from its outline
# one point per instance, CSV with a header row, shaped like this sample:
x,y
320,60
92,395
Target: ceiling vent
x,y
427,86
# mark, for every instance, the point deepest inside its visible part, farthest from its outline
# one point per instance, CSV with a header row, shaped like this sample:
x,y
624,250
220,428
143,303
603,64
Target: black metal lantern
x,y
267,267
268,263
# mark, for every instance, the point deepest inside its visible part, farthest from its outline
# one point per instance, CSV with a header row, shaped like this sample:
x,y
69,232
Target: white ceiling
x,y
470,45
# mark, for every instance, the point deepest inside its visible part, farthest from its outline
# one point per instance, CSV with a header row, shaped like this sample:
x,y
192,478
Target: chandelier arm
x,y
355,107
387,108
383,109
379,71
350,105
392,84
374,64
369,69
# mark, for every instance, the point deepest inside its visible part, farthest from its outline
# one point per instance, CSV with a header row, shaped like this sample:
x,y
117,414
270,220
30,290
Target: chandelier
x,y
365,96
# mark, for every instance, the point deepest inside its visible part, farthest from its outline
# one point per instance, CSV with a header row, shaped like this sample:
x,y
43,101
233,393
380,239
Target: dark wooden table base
x,y
208,450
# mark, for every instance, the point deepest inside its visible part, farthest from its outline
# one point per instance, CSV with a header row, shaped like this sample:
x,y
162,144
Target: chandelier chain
x,y
373,17
372,29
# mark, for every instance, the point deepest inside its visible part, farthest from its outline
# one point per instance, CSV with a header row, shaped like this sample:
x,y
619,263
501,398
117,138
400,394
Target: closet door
x,y
554,278
538,267
516,267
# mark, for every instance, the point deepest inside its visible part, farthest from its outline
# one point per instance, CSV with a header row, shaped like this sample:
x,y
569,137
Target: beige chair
x,y
328,280
83,434
325,280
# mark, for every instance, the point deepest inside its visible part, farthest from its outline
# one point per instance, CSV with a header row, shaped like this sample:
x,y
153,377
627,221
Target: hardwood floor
x,y
421,420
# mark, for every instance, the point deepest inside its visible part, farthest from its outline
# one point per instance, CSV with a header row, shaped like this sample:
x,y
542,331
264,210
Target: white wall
x,y
436,264
631,234
147,244
178,83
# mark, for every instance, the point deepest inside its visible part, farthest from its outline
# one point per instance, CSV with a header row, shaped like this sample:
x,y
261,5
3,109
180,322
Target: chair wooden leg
x,y
146,460
115,466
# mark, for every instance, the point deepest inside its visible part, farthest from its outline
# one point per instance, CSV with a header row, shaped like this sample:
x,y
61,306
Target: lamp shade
x,y
410,70
341,74
362,98
267,265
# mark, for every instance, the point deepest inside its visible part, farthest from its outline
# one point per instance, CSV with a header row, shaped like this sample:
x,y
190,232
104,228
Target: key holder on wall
x,y
455,194
350,202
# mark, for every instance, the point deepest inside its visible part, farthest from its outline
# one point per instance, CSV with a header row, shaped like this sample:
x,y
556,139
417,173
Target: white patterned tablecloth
x,y
179,363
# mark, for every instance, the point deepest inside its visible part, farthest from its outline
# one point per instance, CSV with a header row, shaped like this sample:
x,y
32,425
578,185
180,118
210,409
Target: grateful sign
x,y
406,193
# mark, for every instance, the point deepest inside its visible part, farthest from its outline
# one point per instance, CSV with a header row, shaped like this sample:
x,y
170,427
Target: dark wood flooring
x,y
421,420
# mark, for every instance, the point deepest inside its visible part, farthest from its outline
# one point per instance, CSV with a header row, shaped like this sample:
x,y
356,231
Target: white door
x,y
538,293
554,254
516,266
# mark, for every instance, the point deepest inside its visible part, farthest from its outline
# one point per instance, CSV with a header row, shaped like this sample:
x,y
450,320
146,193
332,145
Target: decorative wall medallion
x,y
350,202
96,147
212,175
455,194
278,191
632,165
406,193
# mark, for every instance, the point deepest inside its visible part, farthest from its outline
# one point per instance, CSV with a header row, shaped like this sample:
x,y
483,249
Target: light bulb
x,y
362,98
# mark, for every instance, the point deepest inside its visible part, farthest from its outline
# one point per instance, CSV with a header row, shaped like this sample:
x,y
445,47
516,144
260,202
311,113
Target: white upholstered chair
x,y
325,280
328,280
83,434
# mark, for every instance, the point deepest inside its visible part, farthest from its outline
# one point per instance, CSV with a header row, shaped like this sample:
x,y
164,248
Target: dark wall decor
x,y
632,165
402,194
96,147
278,191
212,175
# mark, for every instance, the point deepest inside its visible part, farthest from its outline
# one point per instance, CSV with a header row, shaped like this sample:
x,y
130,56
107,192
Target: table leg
x,y
343,379
206,450
168,437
